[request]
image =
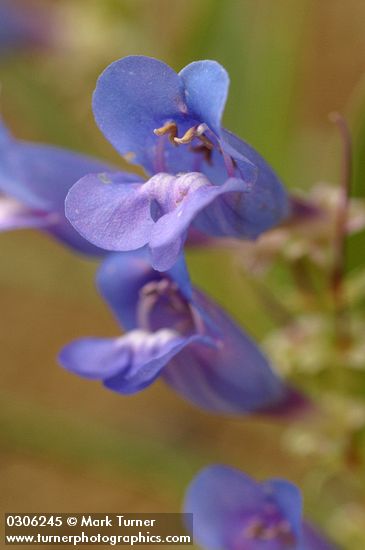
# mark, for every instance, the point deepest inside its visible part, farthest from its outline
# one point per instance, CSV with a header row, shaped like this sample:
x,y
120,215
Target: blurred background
x,y
70,445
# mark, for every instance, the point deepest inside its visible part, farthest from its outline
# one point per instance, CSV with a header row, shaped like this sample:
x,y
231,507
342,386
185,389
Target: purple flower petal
x,y
120,279
126,364
134,96
180,275
122,276
96,358
117,215
170,232
289,500
218,497
206,84
38,177
293,404
234,378
14,215
247,216
110,211
267,204
137,95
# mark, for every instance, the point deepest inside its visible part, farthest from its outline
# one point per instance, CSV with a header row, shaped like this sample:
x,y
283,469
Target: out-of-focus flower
x,y
348,524
309,233
335,438
181,335
306,345
34,181
201,174
231,511
23,25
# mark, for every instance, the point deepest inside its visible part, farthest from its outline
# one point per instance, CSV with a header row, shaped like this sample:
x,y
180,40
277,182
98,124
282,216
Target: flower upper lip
x,y
139,100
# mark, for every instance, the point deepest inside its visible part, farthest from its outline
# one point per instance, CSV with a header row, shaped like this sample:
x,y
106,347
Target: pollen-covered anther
x,y
157,288
169,128
192,133
187,137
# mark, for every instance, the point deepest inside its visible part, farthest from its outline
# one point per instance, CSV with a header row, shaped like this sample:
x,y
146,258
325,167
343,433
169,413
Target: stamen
x,y
230,164
187,137
167,288
201,129
281,531
169,128
161,304
157,288
342,213
195,132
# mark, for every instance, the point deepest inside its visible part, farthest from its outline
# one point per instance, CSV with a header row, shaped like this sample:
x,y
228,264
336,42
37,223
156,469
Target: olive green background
x,y
68,444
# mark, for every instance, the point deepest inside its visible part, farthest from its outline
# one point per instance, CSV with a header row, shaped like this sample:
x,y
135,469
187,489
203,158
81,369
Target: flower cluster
x,y
202,183
204,177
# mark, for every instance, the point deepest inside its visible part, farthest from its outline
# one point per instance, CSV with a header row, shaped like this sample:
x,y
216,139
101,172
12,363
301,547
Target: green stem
x,y
338,270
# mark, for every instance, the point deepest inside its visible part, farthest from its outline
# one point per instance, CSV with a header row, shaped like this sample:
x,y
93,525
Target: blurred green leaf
x,y
356,109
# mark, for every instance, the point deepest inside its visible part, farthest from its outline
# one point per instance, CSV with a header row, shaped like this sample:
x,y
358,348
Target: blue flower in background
x,y
34,181
23,26
203,175
231,511
176,332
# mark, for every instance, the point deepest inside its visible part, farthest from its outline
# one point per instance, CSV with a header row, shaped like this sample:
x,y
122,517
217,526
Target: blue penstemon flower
x,y
178,333
199,173
232,511
34,181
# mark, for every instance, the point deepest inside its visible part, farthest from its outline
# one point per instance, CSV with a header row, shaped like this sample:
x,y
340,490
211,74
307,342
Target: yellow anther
x,y
169,128
187,137
195,132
